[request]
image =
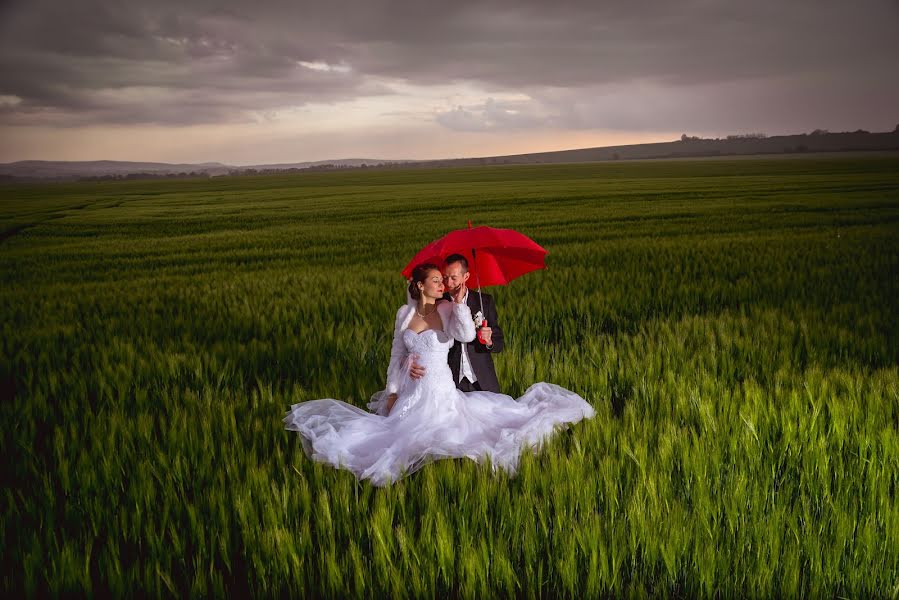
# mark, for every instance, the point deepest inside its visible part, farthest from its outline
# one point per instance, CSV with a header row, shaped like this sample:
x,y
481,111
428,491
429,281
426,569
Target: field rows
x,y
733,322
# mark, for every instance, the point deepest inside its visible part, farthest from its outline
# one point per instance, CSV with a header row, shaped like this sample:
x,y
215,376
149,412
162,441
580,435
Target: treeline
x,y
141,175
762,136
314,168
248,172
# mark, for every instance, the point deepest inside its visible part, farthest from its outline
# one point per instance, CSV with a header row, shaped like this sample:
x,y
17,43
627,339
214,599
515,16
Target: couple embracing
x,y
471,363
442,397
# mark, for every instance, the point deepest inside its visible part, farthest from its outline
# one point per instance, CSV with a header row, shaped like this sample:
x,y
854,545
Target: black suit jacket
x,y
480,357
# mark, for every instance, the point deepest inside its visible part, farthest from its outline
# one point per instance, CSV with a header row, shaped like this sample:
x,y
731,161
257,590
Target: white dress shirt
x,y
465,369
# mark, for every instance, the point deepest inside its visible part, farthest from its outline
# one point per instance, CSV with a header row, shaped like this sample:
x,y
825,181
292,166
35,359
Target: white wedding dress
x,y
431,419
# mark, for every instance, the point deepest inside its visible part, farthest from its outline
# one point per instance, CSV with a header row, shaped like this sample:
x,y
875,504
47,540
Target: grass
x,y
733,322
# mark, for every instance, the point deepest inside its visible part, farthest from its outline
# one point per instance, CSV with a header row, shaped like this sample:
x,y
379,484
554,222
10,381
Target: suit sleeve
x,y
397,356
493,323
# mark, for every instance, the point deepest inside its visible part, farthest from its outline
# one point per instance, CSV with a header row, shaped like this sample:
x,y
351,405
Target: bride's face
x,y
432,286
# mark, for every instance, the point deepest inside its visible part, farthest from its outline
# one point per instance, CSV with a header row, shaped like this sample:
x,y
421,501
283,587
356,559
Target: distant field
x,y
734,322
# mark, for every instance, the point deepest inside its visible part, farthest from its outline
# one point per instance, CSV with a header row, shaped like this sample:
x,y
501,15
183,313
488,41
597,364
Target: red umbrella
x,y
495,256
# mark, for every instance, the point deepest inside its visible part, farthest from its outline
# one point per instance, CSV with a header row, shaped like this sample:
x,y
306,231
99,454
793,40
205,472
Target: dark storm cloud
x,y
127,63
168,62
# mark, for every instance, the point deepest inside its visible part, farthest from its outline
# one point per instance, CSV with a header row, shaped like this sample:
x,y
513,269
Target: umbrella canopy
x,y
495,256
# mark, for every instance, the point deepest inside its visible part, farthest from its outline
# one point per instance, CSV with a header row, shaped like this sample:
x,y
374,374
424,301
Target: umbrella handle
x,y
477,275
481,333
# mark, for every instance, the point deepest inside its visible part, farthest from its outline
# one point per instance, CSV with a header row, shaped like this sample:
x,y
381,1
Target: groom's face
x,y
454,276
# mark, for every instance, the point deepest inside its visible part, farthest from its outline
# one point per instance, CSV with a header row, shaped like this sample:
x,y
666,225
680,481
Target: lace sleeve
x,y
396,369
457,321
397,354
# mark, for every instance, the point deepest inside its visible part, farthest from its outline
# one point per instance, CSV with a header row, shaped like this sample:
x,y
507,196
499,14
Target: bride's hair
x,y
420,273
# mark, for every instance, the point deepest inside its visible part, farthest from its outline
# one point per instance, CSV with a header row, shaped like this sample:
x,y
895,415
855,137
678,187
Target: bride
x,y
419,420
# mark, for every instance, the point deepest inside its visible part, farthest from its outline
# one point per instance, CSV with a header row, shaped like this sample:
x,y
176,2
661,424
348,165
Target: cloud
x,y
494,115
568,64
91,63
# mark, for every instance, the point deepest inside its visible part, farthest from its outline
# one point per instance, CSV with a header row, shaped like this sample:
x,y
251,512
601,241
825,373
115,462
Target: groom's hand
x,y
459,294
486,335
416,371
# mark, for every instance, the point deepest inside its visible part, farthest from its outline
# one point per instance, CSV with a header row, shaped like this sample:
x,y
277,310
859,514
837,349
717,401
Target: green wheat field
x,y
735,323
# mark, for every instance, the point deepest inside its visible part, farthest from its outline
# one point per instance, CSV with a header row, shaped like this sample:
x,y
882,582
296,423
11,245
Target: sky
x,y
278,81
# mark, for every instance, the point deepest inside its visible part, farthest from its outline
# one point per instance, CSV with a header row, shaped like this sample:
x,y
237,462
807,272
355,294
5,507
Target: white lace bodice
x,y
457,324
429,341
430,347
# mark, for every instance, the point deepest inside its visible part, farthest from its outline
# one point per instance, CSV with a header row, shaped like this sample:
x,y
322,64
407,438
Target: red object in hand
x,y
481,332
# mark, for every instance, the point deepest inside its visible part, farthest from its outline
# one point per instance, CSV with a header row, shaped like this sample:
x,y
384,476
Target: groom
x,y
471,363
